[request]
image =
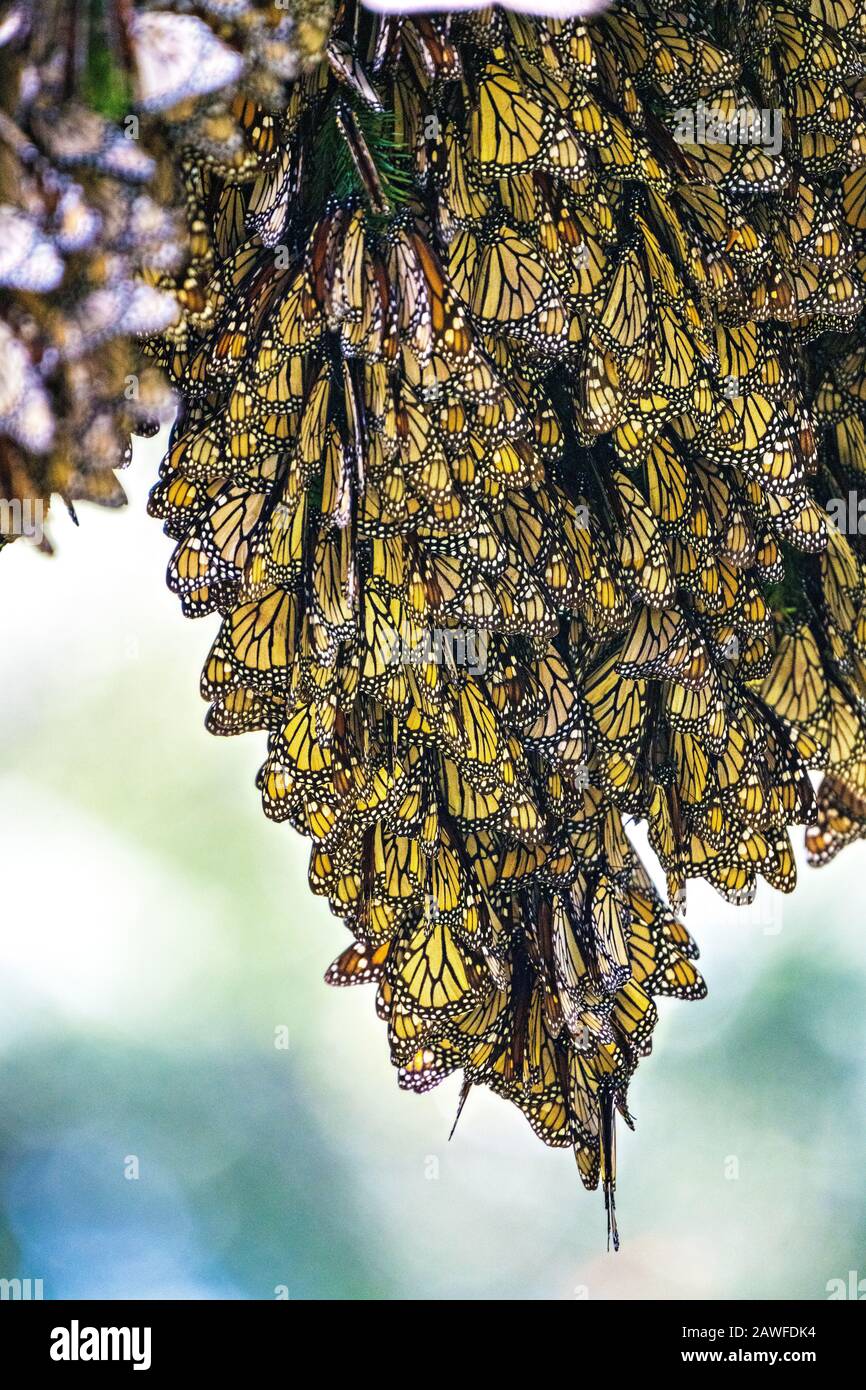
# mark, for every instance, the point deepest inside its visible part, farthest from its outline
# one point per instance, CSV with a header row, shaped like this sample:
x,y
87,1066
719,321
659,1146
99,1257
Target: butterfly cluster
x,y
520,368
93,236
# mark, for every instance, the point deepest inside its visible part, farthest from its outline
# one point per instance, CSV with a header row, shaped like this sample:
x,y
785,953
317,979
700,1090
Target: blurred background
x,y
188,1111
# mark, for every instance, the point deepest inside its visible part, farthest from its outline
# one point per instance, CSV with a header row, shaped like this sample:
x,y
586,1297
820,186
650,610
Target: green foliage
x,y
334,173
105,84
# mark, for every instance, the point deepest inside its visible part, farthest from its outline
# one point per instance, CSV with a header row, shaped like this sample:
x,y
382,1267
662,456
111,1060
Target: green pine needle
x,y
334,172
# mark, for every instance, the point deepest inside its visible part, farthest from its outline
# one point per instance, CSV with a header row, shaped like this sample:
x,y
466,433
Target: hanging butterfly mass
x,y
477,353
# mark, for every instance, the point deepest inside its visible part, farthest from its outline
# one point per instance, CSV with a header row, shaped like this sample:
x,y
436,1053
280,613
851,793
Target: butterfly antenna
x,y
464,1096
